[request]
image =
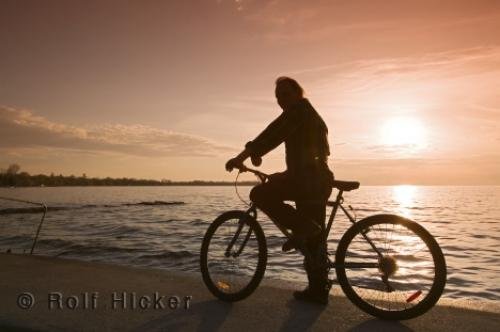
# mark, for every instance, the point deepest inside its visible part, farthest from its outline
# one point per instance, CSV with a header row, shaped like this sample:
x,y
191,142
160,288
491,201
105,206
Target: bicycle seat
x,y
345,185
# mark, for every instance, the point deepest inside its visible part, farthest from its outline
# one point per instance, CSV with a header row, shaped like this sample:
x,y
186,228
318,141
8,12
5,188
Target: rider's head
x,y
288,91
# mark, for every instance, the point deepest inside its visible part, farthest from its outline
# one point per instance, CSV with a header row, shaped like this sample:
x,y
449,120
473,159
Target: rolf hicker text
x,y
117,301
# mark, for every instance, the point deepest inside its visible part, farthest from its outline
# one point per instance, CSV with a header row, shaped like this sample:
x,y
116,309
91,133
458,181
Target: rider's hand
x,y
233,163
256,161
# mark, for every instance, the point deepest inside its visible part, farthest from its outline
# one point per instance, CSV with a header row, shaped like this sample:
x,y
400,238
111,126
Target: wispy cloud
x,y
448,64
316,20
20,129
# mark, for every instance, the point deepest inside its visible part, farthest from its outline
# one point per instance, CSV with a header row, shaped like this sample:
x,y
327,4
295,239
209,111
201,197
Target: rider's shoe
x,y
314,296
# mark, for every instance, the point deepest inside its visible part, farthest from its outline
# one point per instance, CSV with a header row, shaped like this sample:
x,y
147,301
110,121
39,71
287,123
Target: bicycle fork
x,y
241,224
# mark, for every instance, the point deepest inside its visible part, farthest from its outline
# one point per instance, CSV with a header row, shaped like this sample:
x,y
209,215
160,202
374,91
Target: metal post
x,y
44,207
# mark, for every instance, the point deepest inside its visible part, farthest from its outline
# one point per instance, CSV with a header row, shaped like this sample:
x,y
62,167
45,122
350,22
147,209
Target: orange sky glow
x,y
172,89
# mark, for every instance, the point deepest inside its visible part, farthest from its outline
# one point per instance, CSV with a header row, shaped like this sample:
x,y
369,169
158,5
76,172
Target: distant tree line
x,y
12,177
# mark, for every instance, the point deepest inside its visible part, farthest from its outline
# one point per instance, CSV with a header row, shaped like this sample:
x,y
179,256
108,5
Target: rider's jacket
x,y
304,133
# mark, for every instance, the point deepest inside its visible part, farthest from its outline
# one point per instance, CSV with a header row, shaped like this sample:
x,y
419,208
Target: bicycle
x,y
377,262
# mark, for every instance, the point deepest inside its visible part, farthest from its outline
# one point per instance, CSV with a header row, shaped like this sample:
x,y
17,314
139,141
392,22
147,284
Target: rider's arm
x,y
275,133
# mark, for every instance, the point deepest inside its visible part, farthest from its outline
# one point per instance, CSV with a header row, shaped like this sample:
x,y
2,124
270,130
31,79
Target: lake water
x,y
122,225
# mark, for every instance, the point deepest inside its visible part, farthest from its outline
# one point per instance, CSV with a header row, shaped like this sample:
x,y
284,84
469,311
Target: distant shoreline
x,y
12,178
173,184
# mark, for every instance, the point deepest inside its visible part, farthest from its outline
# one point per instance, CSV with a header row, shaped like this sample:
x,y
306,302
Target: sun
x,y
403,132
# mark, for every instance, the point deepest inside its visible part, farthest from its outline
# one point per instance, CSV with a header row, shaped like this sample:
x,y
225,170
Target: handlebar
x,y
262,176
242,168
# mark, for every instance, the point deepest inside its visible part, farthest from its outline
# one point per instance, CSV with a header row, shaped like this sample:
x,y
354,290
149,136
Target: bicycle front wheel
x,y
233,256
403,280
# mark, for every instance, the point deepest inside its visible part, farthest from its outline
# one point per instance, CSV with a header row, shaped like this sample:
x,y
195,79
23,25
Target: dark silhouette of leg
x,y
270,197
315,263
318,189
310,192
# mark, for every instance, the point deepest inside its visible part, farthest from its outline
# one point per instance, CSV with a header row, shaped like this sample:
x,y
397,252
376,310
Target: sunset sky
x,y
410,90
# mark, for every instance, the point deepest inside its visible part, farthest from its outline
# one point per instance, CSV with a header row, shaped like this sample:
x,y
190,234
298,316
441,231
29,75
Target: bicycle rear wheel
x,y
404,281
233,256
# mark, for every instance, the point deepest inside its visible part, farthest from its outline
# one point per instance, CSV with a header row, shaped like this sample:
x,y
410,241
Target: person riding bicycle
x,y
307,181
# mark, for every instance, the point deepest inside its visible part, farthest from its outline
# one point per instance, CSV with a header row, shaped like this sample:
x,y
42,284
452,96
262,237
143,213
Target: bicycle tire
x,y
262,256
439,279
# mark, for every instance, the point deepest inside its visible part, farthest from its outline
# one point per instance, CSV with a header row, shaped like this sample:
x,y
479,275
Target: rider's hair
x,y
291,82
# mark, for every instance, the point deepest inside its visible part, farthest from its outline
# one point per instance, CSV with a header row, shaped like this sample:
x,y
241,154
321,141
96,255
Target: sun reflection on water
x,y
405,196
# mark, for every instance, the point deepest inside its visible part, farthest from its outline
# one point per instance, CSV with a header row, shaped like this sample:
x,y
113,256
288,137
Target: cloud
x,y
451,63
21,129
319,20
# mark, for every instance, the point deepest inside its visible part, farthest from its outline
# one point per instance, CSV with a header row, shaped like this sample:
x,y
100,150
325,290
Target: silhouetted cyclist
x,y
307,180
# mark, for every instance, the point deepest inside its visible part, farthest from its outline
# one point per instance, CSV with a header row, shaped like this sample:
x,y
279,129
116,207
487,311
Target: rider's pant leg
x,y
270,197
310,196
316,262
